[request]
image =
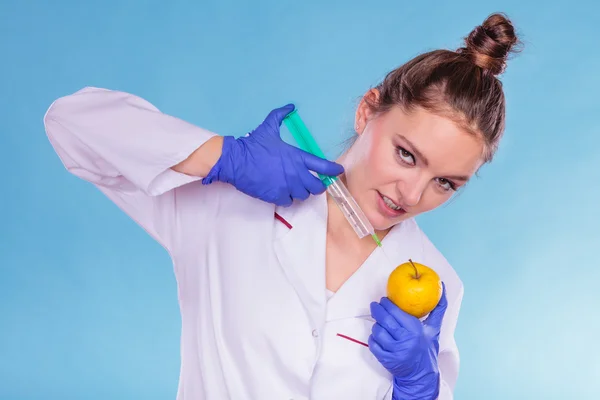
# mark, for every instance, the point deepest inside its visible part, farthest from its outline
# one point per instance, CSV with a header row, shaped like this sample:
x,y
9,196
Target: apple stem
x,y
416,271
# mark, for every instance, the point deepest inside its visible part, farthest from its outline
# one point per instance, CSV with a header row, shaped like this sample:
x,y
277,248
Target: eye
x,y
405,155
445,184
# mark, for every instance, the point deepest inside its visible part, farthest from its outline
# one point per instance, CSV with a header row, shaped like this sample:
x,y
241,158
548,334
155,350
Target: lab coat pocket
x,y
352,337
347,358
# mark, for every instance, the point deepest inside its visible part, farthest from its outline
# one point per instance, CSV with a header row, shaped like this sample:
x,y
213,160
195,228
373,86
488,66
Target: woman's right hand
x,y
263,166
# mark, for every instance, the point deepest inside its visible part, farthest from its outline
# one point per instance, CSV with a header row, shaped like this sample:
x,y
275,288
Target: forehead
x,y
446,146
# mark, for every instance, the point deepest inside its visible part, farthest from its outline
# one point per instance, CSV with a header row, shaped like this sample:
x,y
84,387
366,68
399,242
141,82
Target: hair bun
x,y
489,44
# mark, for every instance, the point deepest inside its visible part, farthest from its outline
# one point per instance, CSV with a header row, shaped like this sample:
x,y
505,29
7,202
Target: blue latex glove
x,y
408,349
263,166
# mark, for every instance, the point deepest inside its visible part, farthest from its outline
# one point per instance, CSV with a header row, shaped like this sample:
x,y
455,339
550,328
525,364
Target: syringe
x,y
335,187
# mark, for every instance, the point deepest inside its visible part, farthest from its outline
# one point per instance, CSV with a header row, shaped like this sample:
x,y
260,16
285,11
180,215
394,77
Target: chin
x,y
381,223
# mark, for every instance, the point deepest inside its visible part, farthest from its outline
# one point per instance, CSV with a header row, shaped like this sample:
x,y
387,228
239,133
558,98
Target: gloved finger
x,y
285,201
298,191
379,352
436,316
320,165
312,183
281,197
293,180
276,116
383,337
407,321
386,320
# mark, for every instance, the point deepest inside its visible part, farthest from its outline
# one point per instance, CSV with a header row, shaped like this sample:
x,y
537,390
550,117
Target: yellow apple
x,y
414,288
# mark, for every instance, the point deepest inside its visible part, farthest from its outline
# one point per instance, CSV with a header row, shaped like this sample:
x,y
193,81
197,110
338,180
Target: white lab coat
x,y
256,321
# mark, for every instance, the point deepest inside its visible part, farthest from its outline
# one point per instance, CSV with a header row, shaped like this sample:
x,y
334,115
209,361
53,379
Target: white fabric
x,y
256,323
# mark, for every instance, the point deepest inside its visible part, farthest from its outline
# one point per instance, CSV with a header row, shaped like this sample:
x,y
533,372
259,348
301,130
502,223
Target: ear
x,y
364,112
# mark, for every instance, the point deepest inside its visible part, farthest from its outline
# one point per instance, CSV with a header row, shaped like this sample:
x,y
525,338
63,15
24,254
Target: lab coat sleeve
x,y
126,147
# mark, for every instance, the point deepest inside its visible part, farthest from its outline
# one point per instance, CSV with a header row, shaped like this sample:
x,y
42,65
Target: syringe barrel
x,y
355,216
335,187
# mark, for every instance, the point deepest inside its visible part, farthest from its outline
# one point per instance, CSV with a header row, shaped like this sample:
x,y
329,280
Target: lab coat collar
x,y
369,282
301,251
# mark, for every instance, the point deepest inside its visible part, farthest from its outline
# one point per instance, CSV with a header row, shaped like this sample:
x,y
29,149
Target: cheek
x,y
433,198
381,166
365,168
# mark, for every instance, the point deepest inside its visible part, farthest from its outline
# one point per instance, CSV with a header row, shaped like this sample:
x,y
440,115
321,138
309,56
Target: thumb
x,y
435,318
276,116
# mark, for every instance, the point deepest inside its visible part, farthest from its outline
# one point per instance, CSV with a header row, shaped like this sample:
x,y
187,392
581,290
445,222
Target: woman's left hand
x,y
407,348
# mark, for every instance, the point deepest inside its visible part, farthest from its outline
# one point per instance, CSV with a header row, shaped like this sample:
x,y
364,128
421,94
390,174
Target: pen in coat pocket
x,y
352,339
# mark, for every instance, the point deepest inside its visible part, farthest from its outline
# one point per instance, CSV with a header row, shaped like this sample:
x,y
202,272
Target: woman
x,y
279,298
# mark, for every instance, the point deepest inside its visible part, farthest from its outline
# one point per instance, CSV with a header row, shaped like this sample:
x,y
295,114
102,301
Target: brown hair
x,y
461,84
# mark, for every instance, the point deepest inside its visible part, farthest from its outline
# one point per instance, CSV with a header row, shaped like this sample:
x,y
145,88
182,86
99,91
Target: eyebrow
x,y
426,162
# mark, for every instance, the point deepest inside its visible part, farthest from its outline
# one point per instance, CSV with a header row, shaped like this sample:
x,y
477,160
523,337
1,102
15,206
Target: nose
x,y
411,190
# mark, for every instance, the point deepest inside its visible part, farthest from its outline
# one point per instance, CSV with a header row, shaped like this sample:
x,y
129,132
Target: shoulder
x,y
221,201
219,210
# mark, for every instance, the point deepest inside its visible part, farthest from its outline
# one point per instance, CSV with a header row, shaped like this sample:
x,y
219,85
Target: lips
x,y
390,207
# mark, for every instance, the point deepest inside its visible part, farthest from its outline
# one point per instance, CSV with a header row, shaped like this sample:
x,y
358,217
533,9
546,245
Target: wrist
x,y
210,153
226,151
203,159
424,388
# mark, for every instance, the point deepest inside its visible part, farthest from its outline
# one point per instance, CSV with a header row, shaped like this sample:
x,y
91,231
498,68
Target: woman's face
x,y
402,165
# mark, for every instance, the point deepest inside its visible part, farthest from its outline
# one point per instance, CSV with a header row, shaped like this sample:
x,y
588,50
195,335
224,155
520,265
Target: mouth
x,y
390,207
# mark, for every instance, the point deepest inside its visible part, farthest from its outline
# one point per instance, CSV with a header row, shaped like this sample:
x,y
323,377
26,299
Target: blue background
x,y
88,306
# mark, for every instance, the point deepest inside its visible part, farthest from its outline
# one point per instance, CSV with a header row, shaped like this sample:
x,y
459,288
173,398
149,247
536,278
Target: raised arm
x,y
132,152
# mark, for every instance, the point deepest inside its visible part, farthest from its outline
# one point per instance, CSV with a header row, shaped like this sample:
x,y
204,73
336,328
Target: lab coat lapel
x,y
301,252
369,282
